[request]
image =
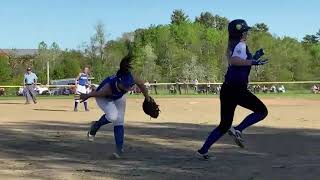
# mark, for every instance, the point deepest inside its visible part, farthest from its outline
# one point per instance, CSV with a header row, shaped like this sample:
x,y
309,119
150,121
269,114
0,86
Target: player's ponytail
x,y
232,43
126,62
125,65
124,73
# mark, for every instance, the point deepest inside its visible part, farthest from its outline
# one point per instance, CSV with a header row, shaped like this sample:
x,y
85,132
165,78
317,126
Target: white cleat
x,y
237,136
90,137
115,155
204,157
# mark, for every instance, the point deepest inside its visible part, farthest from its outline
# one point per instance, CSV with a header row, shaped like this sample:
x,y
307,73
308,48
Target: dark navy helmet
x,y
126,79
237,27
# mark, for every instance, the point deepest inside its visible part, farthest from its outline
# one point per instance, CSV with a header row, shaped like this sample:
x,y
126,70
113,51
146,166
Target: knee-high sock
x,y
212,138
119,137
75,104
85,105
250,120
102,121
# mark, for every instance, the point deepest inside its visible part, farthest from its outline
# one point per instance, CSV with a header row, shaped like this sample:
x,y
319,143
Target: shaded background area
x,y
59,150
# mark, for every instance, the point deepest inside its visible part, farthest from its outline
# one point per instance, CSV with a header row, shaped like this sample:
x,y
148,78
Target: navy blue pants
x,y
230,98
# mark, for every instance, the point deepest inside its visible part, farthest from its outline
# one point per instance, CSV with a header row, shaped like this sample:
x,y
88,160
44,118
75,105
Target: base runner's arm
x,y
142,87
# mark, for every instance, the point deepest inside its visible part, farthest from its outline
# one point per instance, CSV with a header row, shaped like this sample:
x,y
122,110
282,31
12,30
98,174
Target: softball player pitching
x,y
234,89
111,98
82,87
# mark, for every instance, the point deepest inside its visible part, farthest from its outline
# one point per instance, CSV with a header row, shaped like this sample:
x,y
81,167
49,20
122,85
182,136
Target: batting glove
x,y
259,62
258,54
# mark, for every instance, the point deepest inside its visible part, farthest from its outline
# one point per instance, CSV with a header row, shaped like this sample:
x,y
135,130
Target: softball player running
x,y
111,98
82,87
234,89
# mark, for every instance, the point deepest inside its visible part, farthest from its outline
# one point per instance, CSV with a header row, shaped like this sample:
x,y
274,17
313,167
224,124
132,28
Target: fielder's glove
x,y
150,107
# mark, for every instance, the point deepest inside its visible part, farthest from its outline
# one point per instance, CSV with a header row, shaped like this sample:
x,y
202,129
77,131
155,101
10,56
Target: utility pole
x,y
48,73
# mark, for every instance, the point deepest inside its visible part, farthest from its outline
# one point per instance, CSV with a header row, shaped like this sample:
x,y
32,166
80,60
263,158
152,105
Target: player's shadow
x,y
160,151
46,109
12,103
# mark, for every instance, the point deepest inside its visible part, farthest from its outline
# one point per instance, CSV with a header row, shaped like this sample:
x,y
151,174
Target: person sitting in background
x,y
281,89
20,91
178,86
273,89
218,89
185,82
2,91
155,86
208,86
196,82
257,89
315,89
135,90
264,89
172,89
148,86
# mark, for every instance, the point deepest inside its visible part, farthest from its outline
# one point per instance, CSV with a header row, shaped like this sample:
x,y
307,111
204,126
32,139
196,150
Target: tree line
x,y
184,49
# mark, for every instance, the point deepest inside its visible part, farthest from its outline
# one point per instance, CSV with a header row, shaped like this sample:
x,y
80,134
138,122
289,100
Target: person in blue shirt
x,y
111,98
82,87
234,90
29,84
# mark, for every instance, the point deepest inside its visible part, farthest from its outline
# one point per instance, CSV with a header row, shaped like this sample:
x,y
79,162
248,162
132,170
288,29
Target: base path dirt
x,y
48,141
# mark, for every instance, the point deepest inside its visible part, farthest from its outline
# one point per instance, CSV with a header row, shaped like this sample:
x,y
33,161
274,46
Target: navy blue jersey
x,y
239,75
112,81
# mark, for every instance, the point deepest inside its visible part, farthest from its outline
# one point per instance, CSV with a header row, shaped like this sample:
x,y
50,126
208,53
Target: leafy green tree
x,y
54,52
179,17
221,23
310,39
95,48
193,70
5,70
115,51
42,57
260,27
315,62
182,49
206,19
99,40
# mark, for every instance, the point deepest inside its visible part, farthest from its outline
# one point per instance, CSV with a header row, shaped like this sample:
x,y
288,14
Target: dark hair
x,y
232,43
125,65
126,62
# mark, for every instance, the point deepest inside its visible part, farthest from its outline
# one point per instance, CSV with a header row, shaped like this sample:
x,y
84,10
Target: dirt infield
x,y
47,141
